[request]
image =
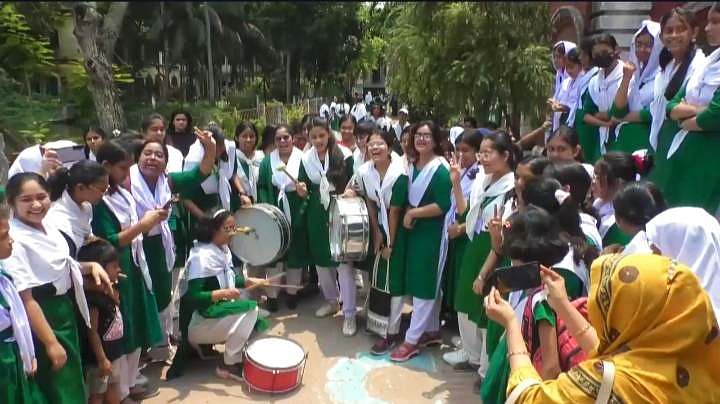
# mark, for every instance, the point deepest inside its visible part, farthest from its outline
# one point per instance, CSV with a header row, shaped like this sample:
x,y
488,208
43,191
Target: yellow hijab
x,y
656,324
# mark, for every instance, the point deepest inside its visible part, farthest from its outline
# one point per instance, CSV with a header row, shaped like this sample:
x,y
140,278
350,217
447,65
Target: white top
x,y
30,159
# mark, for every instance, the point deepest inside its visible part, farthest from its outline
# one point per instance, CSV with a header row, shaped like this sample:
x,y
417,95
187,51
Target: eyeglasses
x,y
426,136
99,189
376,145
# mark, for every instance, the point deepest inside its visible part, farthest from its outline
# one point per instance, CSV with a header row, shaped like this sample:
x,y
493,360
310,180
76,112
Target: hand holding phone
x,y
512,278
71,154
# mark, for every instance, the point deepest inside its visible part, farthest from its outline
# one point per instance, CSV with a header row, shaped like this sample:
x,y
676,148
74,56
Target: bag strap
x,y
519,389
608,379
376,264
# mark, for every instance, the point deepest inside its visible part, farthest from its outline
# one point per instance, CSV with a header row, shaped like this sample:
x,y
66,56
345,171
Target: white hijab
x,y
15,316
72,219
560,75
206,260
699,91
606,211
602,91
641,92
281,181
220,182
380,190
249,182
146,200
568,96
478,216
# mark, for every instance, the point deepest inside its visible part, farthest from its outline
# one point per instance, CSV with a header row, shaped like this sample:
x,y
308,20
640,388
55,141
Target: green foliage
x,y
22,51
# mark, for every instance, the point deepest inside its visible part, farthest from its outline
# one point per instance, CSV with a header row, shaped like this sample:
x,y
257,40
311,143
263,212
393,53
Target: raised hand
x,y
628,69
495,228
554,286
455,169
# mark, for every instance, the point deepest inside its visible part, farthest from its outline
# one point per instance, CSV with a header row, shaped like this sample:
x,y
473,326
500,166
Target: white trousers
x,y
425,318
328,279
233,331
396,306
473,342
128,372
293,276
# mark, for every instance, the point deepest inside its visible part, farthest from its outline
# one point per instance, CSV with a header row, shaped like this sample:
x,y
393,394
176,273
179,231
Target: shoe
x,y
456,341
272,305
349,326
327,309
291,302
404,352
429,339
383,346
139,393
477,385
455,357
466,367
231,372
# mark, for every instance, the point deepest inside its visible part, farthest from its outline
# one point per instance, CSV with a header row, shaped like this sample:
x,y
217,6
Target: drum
x,y
265,236
349,229
274,365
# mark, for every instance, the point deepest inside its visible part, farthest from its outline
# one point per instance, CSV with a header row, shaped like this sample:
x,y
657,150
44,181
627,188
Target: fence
x,y
276,114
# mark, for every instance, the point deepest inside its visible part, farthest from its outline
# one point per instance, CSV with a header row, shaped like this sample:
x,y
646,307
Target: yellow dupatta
x,y
656,324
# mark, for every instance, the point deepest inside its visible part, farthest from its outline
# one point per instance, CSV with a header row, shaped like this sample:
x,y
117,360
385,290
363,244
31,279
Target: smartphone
x,y
71,154
512,278
174,199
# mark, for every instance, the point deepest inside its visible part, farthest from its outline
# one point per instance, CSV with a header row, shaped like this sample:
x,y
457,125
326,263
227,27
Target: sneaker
x,y
404,352
231,372
349,326
429,339
477,385
272,304
327,309
291,302
455,357
383,346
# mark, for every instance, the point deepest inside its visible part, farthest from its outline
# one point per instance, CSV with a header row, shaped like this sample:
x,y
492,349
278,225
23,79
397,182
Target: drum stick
x,y
287,286
281,167
267,281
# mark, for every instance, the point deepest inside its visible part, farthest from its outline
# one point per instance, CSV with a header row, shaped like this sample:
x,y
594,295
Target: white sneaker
x,y
455,357
349,326
327,309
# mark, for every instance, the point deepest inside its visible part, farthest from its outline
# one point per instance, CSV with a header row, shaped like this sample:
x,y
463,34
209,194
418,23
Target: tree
x,y
487,59
96,34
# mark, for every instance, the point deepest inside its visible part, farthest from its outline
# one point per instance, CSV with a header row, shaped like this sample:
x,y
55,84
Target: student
x,y
267,143
41,159
50,284
74,192
377,116
559,58
103,340
567,96
635,94
17,350
152,188
180,132
586,133
115,220
429,201
612,172
687,174
529,168
384,181
93,138
601,89
466,167
299,136
564,147
153,128
347,132
325,170
401,124
211,309
635,205
358,110
246,141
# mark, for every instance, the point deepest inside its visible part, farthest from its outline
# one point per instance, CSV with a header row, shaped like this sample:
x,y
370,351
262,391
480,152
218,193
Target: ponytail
x,y
85,172
58,182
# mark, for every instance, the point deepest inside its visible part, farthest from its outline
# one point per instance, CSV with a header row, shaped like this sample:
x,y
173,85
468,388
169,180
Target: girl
x,y
559,58
347,132
326,169
385,183
635,93
612,172
468,148
635,205
115,219
246,140
602,89
212,310
153,128
687,174
527,169
44,273
567,96
564,147
152,189
181,132
17,350
267,144
360,153
576,113
276,188
429,199
94,138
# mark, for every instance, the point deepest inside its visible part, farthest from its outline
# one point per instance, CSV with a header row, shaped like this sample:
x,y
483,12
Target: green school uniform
x,y
456,252
141,325
396,269
317,218
633,135
588,135
424,239
615,236
297,254
690,176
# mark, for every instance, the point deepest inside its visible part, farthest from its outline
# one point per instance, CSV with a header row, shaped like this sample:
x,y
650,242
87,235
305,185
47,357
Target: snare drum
x,y
274,365
349,229
268,237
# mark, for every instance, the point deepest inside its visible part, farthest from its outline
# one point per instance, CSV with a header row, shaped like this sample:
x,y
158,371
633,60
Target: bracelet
x,y
583,331
510,354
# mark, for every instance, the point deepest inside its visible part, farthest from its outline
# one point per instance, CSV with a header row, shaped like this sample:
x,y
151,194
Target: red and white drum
x,y
274,365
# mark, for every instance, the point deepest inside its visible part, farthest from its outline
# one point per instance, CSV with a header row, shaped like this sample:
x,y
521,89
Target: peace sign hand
x,y
455,169
495,228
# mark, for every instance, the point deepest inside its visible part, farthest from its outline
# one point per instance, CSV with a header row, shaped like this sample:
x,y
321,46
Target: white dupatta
x,y
218,183
467,178
380,191
581,84
641,92
16,317
249,182
122,204
281,181
206,260
146,200
699,91
70,218
478,216
42,257
602,91
560,75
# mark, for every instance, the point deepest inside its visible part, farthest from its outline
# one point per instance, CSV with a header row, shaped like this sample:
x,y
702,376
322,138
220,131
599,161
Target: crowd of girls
x,y
621,209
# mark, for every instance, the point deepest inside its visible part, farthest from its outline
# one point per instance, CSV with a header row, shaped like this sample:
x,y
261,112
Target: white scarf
x,y
317,171
588,225
578,268
640,92
281,181
699,91
581,84
658,107
602,91
146,200
122,204
42,257
465,186
606,210
206,260
220,182
175,160
249,182
560,75
380,190
16,317
567,96
358,158
478,216
72,219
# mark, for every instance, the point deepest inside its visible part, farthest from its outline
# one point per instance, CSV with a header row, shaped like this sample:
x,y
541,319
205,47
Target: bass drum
x,y
349,229
267,236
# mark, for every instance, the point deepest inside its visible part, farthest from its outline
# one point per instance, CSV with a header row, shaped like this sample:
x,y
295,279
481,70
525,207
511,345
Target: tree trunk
x,y
96,36
287,76
208,44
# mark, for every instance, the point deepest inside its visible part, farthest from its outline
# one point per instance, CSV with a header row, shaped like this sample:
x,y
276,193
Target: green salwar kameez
x,y
588,135
633,135
615,236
